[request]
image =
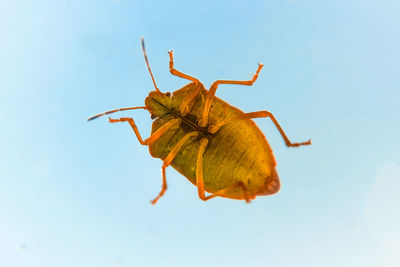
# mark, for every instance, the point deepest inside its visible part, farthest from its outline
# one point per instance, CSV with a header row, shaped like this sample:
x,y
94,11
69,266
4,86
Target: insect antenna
x,y
147,63
112,111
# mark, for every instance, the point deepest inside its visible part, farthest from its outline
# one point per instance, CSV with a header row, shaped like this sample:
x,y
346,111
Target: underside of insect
x,y
214,145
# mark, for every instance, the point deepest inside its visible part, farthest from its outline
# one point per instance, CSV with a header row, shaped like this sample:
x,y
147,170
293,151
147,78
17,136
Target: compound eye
x,y
168,94
153,116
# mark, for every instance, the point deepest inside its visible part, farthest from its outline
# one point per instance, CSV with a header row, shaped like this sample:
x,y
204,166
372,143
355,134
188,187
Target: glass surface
x,y
76,193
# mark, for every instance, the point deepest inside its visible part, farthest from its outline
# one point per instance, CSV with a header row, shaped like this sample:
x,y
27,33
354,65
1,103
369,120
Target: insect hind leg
x,y
223,192
200,179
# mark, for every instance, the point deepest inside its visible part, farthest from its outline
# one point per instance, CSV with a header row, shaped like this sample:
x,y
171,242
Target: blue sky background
x,y
74,193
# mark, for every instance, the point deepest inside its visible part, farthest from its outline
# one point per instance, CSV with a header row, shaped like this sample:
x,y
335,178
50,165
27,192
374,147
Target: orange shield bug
x,y
213,144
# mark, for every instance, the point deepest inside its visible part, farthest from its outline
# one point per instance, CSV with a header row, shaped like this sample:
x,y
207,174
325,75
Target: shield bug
x,y
214,145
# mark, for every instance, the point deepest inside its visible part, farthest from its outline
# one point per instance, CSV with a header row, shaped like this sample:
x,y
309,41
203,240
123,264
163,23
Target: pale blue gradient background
x,y
74,193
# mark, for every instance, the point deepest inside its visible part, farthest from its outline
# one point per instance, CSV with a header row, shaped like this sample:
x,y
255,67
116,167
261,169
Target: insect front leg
x,y
176,72
200,179
258,114
172,124
211,93
168,161
184,106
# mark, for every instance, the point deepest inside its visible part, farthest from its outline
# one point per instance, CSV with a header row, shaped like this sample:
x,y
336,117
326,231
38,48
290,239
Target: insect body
x,y
213,144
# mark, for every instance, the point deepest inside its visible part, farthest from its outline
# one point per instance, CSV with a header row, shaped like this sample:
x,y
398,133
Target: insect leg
x,y
259,114
211,92
174,123
176,72
168,161
184,107
223,192
200,180
199,168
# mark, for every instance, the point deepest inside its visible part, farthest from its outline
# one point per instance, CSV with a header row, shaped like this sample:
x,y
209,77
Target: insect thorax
x,y
161,105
